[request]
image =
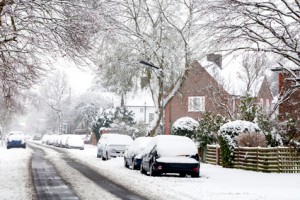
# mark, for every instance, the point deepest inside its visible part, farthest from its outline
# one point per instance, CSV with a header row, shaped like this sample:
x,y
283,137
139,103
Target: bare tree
x,y
34,30
253,25
55,94
164,33
253,69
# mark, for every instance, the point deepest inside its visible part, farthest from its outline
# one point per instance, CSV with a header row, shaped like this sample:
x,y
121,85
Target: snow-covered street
x,y
215,182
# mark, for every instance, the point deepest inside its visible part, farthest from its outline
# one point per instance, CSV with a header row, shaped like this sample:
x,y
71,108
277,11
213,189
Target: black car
x,y
171,154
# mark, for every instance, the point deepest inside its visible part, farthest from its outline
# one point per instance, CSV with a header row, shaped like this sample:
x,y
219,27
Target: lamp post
x,y
161,73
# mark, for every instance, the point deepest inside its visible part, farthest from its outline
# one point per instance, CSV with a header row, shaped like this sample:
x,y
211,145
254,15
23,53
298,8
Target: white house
x,y
141,104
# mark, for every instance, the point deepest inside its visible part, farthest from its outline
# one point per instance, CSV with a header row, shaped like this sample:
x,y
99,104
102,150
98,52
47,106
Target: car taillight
x,y
159,167
195,169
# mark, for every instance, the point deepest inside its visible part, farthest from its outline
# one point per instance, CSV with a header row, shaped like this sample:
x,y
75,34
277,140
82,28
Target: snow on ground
x,y
15,174
215,183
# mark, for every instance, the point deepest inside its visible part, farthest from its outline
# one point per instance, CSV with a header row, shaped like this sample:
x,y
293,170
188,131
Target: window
x,y
151,117
267,105
196,104
262,102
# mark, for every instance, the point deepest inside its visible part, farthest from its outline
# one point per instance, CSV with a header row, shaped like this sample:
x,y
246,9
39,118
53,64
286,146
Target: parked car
x,y
171,154
63,140
74,142
15,139
45,138
51,139
112,145
133,155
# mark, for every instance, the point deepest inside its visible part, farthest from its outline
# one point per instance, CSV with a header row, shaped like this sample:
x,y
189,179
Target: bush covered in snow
x,y
185,126
119,119
227,136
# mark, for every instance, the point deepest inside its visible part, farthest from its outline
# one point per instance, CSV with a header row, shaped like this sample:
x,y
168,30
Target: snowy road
x,y
48,183
215,183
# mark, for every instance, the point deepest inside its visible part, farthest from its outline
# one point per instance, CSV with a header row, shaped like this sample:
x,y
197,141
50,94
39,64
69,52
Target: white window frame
x,y
196,104
151,117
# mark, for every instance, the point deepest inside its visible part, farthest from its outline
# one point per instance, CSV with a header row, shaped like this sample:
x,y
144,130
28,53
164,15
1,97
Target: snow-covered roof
x,y
229,75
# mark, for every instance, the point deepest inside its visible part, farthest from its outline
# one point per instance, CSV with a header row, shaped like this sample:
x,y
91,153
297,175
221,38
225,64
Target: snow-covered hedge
x,y
185,126
228,134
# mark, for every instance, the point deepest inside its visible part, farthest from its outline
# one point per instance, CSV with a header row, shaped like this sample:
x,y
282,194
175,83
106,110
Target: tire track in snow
x,y
48,183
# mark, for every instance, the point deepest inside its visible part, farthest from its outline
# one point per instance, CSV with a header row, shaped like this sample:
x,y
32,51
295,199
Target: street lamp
x,y
161,73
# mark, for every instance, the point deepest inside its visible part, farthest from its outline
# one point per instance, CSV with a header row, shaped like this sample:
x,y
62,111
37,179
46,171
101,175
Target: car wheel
x,y
24,146
133,167
152,172
7,147
98,156
142,169
182,174
125,163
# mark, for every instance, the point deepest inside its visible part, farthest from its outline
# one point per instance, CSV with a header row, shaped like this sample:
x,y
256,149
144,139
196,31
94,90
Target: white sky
x,y
79,79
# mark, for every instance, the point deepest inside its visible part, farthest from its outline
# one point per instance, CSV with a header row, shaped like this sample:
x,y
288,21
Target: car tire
x,y
133,167
142,170
182,174
125,163
98,156
7,147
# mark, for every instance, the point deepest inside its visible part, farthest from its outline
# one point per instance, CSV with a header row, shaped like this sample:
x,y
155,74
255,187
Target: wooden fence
x,y
274,159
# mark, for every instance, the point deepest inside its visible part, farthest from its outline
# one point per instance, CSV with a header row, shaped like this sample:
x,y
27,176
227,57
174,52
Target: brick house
x,y
200,92
290,107
203,91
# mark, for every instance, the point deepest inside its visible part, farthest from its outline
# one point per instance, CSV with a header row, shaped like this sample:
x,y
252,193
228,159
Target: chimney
x,y
216,58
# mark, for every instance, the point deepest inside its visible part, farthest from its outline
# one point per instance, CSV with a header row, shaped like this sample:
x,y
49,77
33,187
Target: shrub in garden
x,y
209,126
185,126
251,140
227,136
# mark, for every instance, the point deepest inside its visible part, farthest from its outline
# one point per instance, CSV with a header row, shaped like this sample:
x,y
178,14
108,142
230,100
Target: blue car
x,y
15,139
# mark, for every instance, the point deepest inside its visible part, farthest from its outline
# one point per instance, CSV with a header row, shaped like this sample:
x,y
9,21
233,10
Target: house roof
x,y
230,75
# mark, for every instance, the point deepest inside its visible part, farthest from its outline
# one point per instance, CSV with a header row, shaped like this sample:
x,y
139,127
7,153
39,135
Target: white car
x,y
74,142
112,145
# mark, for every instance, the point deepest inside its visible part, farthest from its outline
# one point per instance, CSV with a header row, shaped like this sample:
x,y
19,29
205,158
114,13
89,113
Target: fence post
x,y
218,155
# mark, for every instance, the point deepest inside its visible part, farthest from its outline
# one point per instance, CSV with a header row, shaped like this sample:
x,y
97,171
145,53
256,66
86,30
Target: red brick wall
x,y
198,83
290,106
